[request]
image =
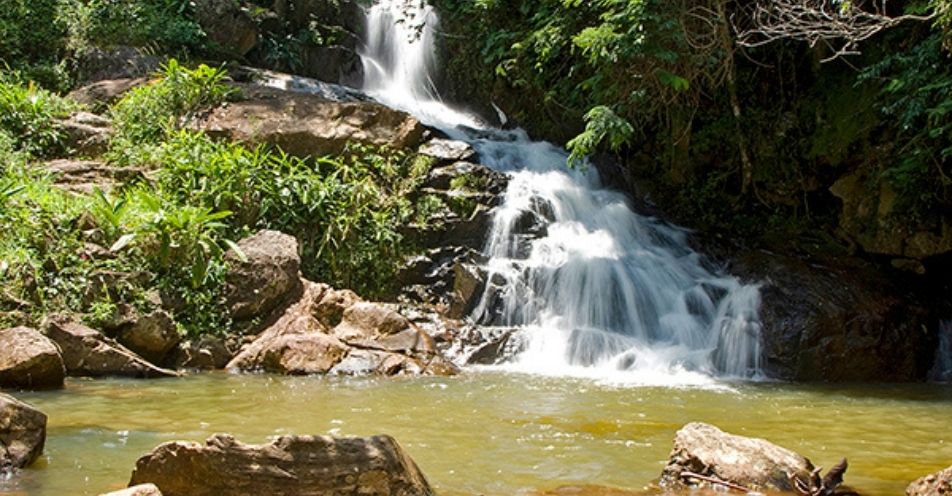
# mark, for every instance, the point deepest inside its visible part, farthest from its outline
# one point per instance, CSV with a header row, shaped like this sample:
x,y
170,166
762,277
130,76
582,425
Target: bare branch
x,y
839,24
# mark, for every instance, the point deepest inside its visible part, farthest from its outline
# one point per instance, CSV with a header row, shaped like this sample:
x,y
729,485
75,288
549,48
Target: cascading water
x,y
600,290
942,371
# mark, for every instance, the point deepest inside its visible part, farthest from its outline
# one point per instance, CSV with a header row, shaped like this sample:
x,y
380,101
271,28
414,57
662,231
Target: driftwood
x,y
821,486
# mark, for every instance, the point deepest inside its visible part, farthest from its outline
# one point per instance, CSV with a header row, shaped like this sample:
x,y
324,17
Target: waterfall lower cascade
x,y
600,290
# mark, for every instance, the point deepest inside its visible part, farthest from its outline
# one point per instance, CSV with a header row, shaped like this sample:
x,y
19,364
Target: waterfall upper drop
x,y
599,289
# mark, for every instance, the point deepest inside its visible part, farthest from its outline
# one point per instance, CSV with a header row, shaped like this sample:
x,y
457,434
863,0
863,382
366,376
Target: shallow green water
x,y
488,432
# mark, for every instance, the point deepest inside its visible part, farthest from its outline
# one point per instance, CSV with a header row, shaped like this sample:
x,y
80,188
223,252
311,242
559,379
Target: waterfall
x,y
599,289
942,371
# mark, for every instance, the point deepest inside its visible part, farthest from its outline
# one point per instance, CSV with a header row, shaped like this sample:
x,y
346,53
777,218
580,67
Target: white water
x,y
942,371
602,291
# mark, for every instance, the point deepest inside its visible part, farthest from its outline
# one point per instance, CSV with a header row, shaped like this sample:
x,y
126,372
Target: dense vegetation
x,y
163,238
743,139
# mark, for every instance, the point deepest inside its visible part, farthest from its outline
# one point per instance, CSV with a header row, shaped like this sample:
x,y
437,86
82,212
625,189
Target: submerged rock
x,y
264,277
22,433
29,360
937,484
88,353
309,125
291,465
756,464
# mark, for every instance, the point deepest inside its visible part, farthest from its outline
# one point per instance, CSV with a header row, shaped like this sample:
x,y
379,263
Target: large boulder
x,y
310,125
842,321
756,464
264,277
120,62
29,360
937,484
291,465
22,433
152,336
227,24
99,95
88,353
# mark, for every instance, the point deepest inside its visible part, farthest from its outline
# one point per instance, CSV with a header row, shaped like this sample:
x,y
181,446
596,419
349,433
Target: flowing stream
x,y
601,290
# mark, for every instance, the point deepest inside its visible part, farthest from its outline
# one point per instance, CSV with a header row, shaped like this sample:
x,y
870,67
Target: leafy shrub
x,y
164,24
29,114
346,211
148,113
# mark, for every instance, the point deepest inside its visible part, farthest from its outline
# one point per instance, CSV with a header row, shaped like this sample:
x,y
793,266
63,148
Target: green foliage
x,y
345,211
148,113
917,94
166,24
29,115
29,32
602,124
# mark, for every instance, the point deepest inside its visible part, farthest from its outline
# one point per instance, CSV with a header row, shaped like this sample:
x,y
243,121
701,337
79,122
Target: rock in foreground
x,y
22,433
291,465
753,463
937,484
140,490
29,360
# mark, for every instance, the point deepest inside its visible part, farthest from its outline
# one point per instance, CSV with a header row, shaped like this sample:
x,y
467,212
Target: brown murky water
x,y
491,433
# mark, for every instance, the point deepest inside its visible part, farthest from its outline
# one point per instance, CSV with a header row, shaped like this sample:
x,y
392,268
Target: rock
x,y
308,125
22,433
937,484
87,353
302,354
29,360
446,151
139,490
121,62
494,345
869,216
365,321
85,176
845,322
268,351
227,24
370,338
753,463
206,353
87,135
468,284
330,308
335,63
152,336
291,465
265,278
100,95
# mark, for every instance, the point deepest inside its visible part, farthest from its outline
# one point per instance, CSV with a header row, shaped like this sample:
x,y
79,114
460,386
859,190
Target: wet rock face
x,y
22,433
309,125
837,323
753,463
291,465
937,484
88,353
265,278
29,360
